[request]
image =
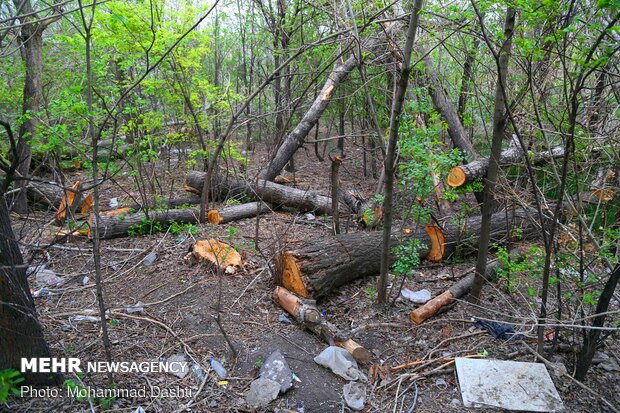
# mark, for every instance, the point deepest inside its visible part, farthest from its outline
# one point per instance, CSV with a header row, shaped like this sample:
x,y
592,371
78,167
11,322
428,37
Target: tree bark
x,y
317,267
499,127
21,334
114,226
278,195
463,174
31,38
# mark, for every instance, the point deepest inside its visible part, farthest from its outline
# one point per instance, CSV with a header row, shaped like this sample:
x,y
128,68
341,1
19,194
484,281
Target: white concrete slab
x,y
510,385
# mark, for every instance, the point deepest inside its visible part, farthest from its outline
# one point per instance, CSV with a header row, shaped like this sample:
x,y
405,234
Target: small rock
x,y
179,368
354,394
310,217
276,368
150,259
441,383
416,297
262,392
558,369
609,365
456,402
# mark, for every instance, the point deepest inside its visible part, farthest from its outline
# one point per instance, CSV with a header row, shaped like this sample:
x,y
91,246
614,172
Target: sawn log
x,y
461,289
118,225
276,194
317,267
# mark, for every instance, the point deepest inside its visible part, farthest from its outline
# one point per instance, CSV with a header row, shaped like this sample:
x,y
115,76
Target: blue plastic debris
x,y
499,330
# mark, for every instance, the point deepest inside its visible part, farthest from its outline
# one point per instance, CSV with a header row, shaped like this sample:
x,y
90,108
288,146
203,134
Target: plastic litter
x,y
113,203
276,368
139,410
137,308
499,330
354,394
218,368
341,362
150,259
43,276
198,372
85,318
441,383
41,293
310,217
85,280
416,297
282,318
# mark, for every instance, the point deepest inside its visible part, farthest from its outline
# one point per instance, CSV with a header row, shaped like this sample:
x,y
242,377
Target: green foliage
x,y
522,273
81,394
148,227
424,157
9,380
407,258
371,292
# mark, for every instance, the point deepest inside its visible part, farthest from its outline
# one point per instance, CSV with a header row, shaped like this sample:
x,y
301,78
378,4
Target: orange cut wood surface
x,y
219,254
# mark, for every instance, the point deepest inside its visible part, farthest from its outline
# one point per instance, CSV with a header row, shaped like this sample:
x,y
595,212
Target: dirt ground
x,y
181,302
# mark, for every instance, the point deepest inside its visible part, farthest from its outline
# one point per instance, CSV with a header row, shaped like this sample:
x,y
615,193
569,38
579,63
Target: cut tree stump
x,y
318,267
116,223
461,289
276,194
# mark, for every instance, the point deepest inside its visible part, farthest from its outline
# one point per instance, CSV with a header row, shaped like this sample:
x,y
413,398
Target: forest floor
x,y
181,301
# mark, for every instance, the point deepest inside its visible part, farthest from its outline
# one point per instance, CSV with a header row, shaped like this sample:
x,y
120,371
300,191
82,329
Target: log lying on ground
x,y
112,225
462,174
306,314
49,194
276,194
317,267
461,289
71,200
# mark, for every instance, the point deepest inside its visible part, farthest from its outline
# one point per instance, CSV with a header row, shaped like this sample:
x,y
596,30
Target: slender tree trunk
x,y
31,38
390,158
466,79
499,126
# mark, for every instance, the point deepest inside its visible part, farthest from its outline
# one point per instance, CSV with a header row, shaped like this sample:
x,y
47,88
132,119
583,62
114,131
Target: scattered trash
x,y
137,308
85,280
456,402
85,318
276,368
262,392
297,379
310,217
324,313
341,362
354,394
177,365
198,372
499,330
282,318
139,410
441,383
41,293
43,276
222,383
416,297
113,203
150,259
510,385
218,368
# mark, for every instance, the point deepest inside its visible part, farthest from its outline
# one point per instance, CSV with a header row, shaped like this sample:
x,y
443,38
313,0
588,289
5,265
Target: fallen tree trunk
x,y
111,225
460,289
309,317
318,267
276,194
50,194
463,174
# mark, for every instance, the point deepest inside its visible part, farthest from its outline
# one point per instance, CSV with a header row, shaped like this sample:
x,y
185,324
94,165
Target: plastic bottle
x,y
218,368
198,372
